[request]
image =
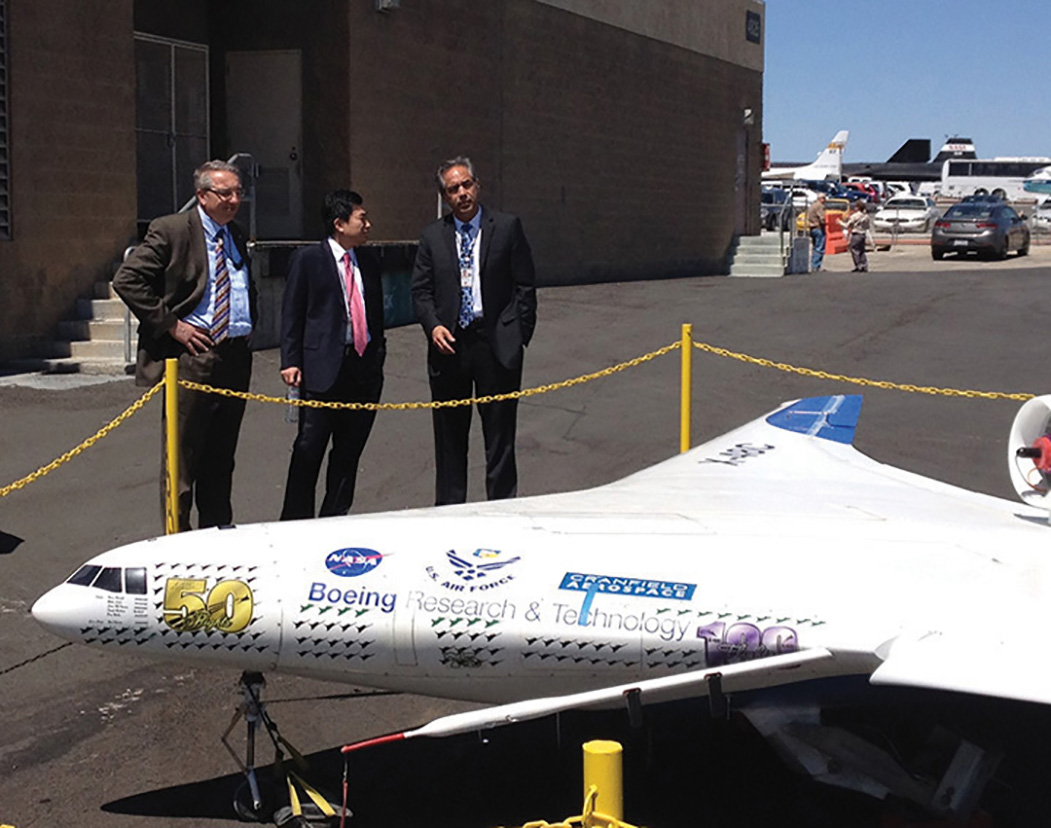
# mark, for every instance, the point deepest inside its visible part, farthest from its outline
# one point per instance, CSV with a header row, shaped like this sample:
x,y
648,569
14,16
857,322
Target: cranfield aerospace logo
x,y
350,563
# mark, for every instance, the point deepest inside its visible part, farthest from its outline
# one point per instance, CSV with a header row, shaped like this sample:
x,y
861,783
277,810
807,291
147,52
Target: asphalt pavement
x,y
96,739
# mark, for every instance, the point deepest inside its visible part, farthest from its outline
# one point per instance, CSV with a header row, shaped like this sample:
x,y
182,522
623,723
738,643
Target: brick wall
x,y
619,151
72,134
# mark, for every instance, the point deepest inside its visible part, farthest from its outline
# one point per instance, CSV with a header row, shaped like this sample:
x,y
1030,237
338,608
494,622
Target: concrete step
x,y
759,241
757,270
758,258
97,349
69,365
100,309
77,329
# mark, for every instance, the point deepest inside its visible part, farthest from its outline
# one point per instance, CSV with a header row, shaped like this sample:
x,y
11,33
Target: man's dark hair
x,y
339,204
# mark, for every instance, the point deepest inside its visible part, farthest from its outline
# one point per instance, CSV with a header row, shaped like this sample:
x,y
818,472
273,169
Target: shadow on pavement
x,y
9,543
681,766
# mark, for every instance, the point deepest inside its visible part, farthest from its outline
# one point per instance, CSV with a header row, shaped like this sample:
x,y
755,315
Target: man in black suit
x,y
332,349
473,292
190,287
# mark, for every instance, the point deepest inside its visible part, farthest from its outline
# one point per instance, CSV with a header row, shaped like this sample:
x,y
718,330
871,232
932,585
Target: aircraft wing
x,y
765,672
772,466
978,662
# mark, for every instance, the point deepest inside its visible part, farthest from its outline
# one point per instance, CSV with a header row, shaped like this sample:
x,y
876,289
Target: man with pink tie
x,y
332,349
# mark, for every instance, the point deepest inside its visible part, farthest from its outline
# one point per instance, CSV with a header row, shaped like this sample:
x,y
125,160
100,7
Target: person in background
x,y
190,287
332,349
857,228
815,222
473,292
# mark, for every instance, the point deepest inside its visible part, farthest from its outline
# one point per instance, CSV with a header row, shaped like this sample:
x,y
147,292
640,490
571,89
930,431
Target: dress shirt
x,y
476,283
339,253
240,313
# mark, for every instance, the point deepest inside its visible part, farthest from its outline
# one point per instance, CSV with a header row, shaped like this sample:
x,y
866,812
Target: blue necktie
x,y
466,268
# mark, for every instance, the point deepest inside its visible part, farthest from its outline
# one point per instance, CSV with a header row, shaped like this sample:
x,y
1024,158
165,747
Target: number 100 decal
x,y
190,606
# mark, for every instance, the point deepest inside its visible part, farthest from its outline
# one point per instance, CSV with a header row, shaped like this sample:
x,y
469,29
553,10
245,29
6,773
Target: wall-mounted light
x,y
748,117
387,5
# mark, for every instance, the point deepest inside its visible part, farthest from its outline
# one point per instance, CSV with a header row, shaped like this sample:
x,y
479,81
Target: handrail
x,y
127,314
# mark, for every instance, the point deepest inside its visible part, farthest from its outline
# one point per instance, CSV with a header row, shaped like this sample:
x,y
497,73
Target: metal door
x,y
264,118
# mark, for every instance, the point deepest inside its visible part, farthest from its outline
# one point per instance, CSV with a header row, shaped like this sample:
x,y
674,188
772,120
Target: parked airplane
x,y
909,162
776,554
1038,182
827,166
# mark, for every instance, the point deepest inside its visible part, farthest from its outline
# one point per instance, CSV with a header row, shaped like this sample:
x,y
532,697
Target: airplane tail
x,y
913,151
956,147
829,163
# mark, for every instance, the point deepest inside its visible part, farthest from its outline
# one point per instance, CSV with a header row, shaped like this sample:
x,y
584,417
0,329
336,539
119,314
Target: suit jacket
x,y
507,279
314,314
164,279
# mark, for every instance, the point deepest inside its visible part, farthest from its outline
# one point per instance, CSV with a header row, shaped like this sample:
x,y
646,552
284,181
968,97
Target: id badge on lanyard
x,y
467,264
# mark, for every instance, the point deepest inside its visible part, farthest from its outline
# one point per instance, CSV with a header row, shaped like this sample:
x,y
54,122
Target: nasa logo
x,y
350,563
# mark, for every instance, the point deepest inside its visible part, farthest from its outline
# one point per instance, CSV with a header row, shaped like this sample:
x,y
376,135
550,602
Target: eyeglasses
x,y
226,194
466,184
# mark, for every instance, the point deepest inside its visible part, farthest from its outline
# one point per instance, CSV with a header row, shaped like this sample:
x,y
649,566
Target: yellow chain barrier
x,y
513,395
892,386
88,443
408,406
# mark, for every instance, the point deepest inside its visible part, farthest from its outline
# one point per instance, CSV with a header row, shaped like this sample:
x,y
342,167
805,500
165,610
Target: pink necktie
x,y
357,308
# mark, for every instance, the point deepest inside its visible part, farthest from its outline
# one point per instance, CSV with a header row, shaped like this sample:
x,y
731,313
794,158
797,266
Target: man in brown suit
x,y
189,285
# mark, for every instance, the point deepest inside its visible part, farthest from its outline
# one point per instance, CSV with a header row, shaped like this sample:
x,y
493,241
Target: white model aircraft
x,y
828,166
776,554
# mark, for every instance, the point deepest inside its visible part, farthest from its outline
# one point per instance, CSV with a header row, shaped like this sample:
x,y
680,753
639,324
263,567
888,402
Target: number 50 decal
x,y
188,606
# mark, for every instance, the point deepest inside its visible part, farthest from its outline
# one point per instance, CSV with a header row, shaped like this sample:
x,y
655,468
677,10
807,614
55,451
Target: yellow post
x,y
171,418
687,390
603,768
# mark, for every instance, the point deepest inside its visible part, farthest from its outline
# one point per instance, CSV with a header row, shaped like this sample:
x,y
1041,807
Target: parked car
x,y
832,206
906,214
982,226
773,207
864,187
1042,217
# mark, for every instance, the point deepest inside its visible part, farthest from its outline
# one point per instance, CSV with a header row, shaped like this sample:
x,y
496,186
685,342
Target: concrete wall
x,y
72,138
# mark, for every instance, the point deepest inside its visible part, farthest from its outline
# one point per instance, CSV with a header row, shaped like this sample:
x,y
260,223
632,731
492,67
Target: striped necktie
x,y
221,313
466,276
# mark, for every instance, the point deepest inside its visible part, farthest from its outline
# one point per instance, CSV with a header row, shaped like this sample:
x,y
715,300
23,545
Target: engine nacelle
x,y
1029,452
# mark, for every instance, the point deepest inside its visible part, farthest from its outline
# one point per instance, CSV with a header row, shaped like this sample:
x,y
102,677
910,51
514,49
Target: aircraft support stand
x,y
253,711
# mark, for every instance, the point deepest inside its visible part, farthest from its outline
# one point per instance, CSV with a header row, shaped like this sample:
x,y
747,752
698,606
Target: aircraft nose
x,y
54,612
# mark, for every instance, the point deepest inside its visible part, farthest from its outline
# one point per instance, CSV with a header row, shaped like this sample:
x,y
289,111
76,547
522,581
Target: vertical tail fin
x,y
956,147
913,151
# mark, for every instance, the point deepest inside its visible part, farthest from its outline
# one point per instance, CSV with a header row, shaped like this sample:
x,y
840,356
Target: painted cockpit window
x,y
110,578
85,575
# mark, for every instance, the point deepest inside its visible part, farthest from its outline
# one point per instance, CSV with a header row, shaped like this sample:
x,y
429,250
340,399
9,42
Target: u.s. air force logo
x,y
469,576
